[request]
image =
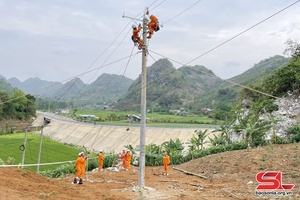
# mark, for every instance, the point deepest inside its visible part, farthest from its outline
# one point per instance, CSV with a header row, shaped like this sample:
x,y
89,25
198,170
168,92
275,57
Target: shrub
x,y
59,171
153,159
294,132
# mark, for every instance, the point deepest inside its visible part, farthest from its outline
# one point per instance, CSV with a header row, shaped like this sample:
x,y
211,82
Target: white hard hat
x,y
101,150
80,153
133,26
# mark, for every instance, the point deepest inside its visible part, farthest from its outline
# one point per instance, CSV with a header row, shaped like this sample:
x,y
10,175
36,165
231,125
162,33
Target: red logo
x,y
271,181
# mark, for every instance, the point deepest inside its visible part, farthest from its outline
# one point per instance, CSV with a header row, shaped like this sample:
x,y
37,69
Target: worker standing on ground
x,y
166,162
153,25
119,159
128,159
135,36
80,167
124,159
100,160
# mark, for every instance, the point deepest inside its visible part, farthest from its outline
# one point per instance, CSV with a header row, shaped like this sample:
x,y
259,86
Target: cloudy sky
x,y
60,39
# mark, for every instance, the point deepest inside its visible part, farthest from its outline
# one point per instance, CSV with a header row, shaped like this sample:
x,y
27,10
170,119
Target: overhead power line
x,y
244,31
222,45
182,12
68,79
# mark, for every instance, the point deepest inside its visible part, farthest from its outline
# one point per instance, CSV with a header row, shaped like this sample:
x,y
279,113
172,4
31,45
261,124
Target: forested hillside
x,y
195,88
170,88
17,105
4,86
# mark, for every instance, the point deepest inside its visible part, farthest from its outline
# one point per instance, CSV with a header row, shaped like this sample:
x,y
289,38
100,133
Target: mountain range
x,y
167,87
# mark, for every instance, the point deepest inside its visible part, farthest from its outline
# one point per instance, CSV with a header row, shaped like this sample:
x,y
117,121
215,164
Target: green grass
x,y
165,118
52,151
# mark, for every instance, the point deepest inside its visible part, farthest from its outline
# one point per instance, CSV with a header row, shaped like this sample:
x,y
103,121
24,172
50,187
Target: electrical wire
x,y
106,58
226,80
118,60
246,30
260,22
182,12
102,65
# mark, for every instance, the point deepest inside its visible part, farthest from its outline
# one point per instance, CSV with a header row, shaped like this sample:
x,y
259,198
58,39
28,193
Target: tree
x,y
173,146
19,102
226,129
197,142
3,104
30,107
293,49
217,140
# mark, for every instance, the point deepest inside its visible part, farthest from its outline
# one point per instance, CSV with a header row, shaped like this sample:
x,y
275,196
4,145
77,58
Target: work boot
x,y
80,181
150,35
75,181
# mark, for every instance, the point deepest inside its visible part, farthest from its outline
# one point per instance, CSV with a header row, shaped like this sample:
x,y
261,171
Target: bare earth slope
x,y
229,176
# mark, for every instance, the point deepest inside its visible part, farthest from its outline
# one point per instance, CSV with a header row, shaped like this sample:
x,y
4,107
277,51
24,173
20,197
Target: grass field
x,y
52,151
169,118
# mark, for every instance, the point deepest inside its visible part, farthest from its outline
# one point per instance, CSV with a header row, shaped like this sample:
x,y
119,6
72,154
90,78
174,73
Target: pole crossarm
x,y
140,20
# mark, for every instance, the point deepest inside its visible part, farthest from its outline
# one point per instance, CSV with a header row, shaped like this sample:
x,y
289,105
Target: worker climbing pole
x,y
153,26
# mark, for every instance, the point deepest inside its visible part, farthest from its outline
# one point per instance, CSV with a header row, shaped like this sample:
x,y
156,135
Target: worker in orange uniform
x,y
124,159
153,25
80,167
166,162
100,160
128,159
135,36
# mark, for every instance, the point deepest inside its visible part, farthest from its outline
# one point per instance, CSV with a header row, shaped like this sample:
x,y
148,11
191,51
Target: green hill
x,y
4,86
170,88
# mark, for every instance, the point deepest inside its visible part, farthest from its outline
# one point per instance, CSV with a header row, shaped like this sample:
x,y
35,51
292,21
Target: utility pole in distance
x,y
141,178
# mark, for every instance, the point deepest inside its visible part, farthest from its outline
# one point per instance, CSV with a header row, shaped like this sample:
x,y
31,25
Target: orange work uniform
x,y
136,37
100,160
166,162
124,159
152,25
80,167
128,160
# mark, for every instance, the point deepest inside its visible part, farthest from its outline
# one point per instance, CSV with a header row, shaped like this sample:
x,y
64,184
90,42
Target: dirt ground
x,y
230,175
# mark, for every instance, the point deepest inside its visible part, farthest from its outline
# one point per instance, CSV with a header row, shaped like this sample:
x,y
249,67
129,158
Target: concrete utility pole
x,y
24,151
143,100
143,105
40,150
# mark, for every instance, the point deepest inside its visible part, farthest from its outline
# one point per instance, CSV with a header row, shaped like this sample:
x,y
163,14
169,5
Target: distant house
x,y
64,111
136,118
206,109
88,117
181,111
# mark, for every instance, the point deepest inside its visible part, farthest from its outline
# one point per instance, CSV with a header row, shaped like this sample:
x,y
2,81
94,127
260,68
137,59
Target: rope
x,y
43,164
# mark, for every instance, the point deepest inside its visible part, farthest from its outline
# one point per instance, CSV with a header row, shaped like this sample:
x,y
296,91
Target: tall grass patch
x,y
52,151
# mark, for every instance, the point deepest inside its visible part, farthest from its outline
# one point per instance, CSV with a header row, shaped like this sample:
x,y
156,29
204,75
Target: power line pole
x,y
141,178
24,147
40,150
143,105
